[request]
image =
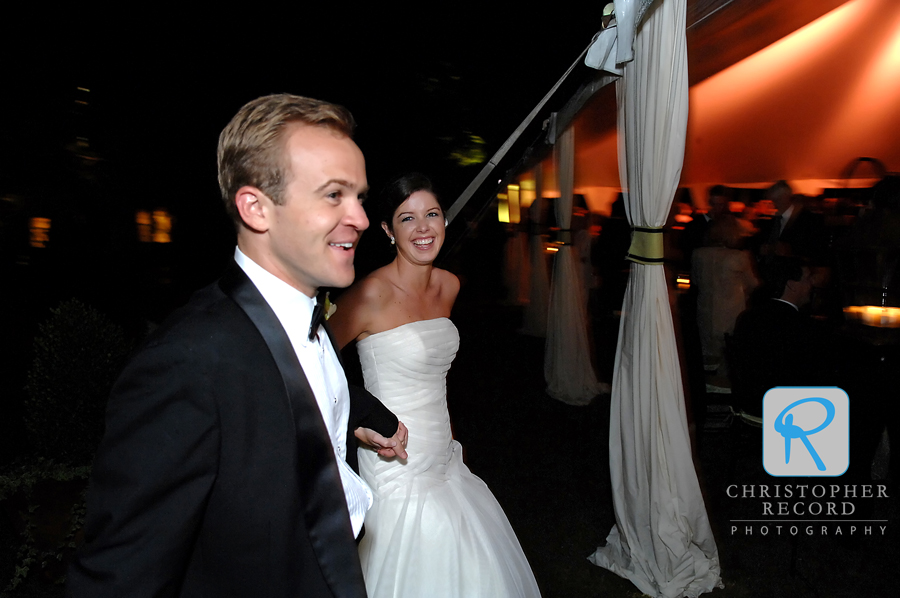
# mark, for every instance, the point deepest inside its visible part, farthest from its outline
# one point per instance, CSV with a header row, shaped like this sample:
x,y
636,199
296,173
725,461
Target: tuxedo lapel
x,y
321,491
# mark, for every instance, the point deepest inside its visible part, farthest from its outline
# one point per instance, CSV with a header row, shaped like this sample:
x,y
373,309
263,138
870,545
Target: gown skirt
x,y
435,529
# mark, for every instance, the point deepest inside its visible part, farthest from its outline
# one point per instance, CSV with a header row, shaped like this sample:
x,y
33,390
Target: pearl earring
x,y
392,241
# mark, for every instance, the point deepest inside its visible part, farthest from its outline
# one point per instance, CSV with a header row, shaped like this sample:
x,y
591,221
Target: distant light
x,y
551,249
503,208
144,226
39,229
162,226
874,315
528,193
512,193
153,227
470,151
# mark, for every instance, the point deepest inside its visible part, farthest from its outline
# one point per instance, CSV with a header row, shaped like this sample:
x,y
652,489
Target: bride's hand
x,y
395,446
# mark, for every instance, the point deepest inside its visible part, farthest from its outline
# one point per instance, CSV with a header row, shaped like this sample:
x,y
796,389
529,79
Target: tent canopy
x,y
780,89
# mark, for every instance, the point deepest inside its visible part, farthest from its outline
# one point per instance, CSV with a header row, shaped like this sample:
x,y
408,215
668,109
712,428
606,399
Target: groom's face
x,y
314,233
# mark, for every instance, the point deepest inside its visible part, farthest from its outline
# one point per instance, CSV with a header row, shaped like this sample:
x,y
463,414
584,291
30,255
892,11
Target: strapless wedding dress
x,y
435,530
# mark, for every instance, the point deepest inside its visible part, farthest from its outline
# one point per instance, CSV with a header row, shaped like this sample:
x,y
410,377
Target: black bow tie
x,y
318,316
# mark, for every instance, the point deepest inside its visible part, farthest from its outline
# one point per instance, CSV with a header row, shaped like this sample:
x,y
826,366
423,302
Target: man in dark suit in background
x,y
774,344
794,230
695,232
224,469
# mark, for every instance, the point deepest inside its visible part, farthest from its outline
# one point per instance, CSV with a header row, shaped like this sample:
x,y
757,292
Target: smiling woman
x,y
409,288
416,223
435,529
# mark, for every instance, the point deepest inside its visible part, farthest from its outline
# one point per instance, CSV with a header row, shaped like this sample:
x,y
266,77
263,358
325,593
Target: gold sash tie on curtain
x,y
646,245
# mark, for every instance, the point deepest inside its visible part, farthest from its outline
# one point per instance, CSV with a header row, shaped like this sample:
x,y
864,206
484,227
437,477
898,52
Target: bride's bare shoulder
x,y
377,286
448,281
359,308
366,293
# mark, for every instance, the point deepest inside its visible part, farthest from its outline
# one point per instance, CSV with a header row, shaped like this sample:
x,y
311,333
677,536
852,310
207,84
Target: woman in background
x,y
725,276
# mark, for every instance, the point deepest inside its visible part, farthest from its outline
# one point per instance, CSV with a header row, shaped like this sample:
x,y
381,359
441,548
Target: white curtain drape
x,y
535,319
662,540
517,268
567,359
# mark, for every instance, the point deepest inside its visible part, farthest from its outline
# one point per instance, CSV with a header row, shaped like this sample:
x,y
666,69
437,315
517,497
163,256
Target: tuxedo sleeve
x,y
366,411
151,479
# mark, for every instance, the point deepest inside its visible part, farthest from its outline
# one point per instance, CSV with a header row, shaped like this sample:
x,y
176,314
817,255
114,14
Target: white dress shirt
x,y
323,371
788,302
785,216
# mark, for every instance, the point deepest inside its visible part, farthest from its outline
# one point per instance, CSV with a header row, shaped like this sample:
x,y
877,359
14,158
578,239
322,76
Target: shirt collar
x,y
788,302
786,215
290,305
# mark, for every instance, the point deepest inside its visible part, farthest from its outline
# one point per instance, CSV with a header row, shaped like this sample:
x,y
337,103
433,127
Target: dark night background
x,y
161,87
104,113
422,84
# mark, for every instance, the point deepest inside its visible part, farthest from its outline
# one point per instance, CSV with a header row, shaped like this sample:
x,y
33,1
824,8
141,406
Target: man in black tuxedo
x,y
794,230
224,469
774,344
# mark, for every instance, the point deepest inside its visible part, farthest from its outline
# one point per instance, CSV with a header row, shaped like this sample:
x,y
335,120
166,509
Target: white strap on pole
x,y
463,199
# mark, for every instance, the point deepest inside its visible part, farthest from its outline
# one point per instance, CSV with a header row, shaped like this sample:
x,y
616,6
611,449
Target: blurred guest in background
x,y
695,231
724,277
794,230
775,343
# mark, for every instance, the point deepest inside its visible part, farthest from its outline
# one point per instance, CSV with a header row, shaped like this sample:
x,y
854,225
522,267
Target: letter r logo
x,y
806,431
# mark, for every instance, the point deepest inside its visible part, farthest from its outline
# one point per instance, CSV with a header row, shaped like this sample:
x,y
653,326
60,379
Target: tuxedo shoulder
x,y
811,216
209,317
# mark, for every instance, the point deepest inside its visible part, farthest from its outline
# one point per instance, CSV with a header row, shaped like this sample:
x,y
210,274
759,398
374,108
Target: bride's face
x,y
418,227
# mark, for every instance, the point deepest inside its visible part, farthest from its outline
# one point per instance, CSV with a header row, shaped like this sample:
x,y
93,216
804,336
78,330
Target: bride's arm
x,y
449,288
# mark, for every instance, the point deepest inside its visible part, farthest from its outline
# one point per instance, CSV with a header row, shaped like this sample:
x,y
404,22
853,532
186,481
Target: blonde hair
x,y
251,146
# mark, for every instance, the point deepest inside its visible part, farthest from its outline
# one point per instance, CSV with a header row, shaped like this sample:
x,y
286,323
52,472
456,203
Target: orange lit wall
x,y
801,109
804,107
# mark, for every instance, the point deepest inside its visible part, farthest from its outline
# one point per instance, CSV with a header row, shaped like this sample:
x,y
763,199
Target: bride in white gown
x,y
435,529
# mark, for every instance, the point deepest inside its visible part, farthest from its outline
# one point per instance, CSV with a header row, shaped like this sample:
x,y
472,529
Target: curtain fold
x,y
535,319
517,268
662,540
567,359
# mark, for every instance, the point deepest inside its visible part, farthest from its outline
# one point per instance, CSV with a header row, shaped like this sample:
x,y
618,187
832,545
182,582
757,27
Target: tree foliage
x,y
78,353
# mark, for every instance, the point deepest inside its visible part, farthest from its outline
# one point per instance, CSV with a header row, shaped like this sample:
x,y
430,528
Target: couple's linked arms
x,y
371,422
346,328
395,446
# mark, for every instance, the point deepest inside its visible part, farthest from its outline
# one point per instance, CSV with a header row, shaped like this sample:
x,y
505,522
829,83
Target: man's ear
x,y
789,286
254,208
